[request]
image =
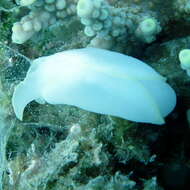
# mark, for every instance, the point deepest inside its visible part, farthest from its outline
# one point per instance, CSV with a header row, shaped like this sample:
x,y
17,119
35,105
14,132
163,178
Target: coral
x,y
26,2
102,21
148,29
184,58
42,15
29,24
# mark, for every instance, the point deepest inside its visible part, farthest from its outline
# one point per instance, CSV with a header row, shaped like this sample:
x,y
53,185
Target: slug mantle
x,y
100,81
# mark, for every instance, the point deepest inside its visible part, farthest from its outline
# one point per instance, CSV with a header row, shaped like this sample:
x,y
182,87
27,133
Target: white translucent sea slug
x,y
99,81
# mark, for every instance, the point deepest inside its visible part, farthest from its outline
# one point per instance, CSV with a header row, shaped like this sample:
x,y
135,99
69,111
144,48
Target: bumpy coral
x,y
103,22
148,29
184,57
42,15
26,2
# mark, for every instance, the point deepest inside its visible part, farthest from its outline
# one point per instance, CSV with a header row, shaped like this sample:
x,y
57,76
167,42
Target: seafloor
x,y
63,147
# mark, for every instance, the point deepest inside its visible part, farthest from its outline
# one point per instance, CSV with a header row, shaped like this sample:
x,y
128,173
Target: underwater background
x,y
63,147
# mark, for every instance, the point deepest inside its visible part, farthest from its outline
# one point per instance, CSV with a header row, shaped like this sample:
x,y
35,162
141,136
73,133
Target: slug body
x,y
100,81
